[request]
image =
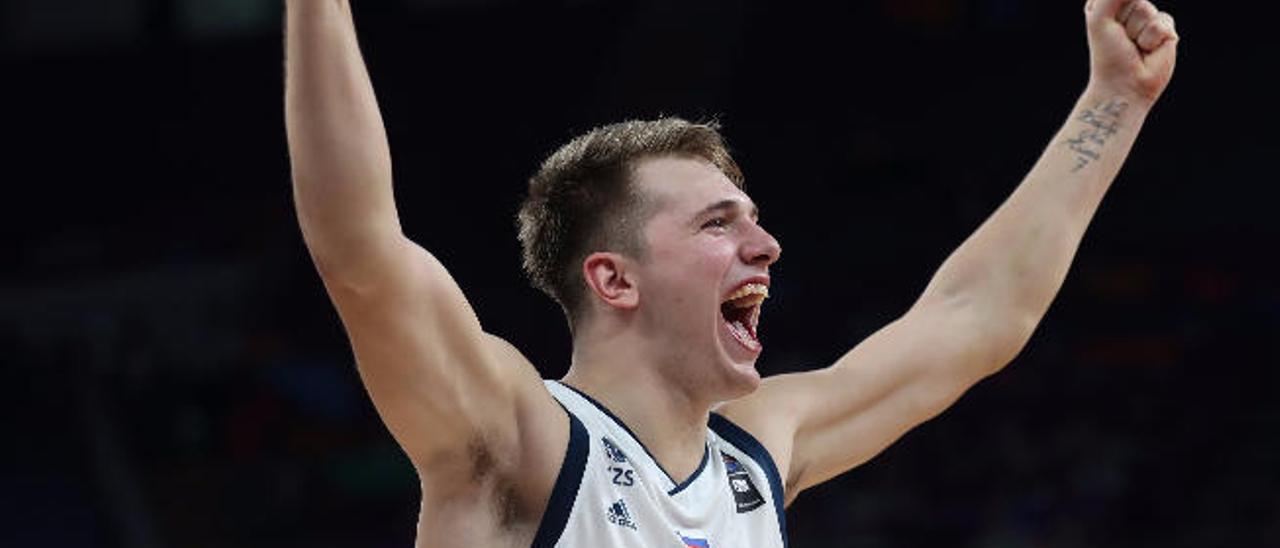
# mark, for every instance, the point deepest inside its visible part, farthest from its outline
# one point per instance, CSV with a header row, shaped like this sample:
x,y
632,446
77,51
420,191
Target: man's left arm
x,y
982,305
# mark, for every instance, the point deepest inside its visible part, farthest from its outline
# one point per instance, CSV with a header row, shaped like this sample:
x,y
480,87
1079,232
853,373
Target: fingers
x,y
1141,14
1143,23
1106,9
1126,13
1164,56
1156,32
1132,45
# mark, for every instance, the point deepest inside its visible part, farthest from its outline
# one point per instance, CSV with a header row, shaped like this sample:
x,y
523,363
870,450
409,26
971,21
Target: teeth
x,y
759,290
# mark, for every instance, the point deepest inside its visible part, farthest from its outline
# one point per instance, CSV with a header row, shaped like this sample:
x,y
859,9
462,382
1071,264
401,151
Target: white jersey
x,y
612,492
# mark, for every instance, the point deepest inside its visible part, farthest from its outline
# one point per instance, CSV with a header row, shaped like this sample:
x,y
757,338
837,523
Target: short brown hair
x,y
581,200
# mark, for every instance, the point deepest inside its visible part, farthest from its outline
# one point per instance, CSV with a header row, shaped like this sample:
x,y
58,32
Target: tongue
x,y
743,335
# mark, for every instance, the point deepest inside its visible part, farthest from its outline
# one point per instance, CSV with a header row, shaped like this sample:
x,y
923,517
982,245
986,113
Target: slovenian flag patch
x,y
691,542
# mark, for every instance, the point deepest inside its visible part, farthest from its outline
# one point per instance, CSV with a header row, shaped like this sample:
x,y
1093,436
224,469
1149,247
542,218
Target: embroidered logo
x,y
745,495
611,449
619,515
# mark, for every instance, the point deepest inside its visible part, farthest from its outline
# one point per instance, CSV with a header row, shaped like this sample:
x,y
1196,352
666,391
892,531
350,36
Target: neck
x,y
666,415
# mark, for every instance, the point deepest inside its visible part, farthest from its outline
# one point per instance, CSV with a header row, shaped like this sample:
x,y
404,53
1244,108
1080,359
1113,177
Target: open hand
x,y
1132,45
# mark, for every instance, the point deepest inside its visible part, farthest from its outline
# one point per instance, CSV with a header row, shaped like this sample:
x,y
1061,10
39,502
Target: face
x,y
704,275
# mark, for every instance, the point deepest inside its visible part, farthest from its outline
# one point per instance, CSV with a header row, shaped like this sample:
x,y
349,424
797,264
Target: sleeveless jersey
x,y
612,492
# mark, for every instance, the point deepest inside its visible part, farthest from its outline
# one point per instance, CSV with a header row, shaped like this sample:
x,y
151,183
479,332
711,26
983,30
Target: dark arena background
x,y
174,375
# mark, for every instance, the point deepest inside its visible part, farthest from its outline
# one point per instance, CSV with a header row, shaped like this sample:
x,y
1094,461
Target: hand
x,y
1132,47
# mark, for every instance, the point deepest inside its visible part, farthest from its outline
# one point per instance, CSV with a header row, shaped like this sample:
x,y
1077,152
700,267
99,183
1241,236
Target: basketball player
x,y
663,434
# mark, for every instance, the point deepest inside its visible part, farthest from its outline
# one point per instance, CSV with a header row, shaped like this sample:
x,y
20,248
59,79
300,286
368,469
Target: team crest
x,y
745,495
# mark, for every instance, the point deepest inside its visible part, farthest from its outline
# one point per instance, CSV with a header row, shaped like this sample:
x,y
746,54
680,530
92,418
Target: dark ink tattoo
x,y
1102,122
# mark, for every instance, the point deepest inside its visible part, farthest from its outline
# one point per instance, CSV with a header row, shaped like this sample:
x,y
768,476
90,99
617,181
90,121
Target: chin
x,y
737,373
741,379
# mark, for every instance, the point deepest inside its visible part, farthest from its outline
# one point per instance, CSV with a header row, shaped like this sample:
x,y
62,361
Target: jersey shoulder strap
x,y
565,491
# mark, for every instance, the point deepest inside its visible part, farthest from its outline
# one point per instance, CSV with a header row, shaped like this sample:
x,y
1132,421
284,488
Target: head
x,y
646,223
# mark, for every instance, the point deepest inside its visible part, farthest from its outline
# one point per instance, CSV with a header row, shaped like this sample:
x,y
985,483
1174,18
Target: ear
x,y
610,279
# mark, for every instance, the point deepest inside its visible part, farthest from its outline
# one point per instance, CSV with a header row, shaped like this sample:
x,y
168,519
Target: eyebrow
x,y
729,204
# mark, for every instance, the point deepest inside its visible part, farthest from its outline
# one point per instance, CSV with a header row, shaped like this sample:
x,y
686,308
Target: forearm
x,y
1010,269
337,144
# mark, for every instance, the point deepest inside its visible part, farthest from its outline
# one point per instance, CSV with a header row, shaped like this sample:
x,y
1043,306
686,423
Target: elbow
x,y
336,267
1006,338
337,275
994,335
985,335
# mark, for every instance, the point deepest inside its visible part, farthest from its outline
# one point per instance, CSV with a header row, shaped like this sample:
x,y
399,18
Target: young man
x,y
663,433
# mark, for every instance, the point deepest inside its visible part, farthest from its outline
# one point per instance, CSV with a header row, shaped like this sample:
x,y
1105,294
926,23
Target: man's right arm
x,y
448,391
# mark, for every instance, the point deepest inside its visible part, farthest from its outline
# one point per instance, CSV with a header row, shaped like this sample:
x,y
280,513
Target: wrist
x,y
1135,104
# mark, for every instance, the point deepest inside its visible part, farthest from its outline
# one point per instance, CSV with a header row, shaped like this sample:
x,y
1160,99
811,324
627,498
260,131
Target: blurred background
x,y
175,376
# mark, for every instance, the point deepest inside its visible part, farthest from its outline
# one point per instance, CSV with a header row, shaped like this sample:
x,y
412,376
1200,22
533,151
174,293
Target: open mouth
x,y
741,313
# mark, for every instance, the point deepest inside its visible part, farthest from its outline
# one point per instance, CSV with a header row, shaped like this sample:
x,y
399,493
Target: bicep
x,y
443,387
902,375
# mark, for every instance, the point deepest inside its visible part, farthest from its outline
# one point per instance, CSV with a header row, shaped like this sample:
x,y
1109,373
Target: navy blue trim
x,y
678,485
743,440
705,455
565,492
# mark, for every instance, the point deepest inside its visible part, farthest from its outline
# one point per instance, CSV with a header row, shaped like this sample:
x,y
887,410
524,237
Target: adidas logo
x,y
619,515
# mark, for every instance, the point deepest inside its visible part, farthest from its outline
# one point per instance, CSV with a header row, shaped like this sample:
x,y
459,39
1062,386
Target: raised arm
x,y
337,146
452,395
985,300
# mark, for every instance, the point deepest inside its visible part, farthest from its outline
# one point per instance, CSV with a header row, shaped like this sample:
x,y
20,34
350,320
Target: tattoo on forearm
x,y
1101,123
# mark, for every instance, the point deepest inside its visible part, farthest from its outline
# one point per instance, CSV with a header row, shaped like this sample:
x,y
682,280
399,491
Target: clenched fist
x,y
1133,47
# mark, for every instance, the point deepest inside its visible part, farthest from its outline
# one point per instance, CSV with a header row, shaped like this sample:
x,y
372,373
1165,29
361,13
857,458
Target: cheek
x,y
691,274
716,257
693,264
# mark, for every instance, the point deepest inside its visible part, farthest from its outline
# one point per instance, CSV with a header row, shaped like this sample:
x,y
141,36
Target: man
x,y
663,433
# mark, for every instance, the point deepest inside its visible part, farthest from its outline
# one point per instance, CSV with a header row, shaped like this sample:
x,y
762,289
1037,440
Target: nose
x,y
760,248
